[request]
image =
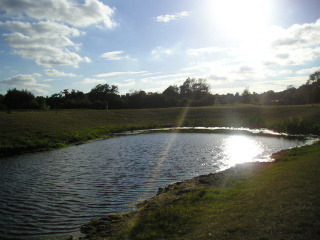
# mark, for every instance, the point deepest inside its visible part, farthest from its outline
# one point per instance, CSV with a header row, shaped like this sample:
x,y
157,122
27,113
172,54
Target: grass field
x,y
25,131
255,201
277,200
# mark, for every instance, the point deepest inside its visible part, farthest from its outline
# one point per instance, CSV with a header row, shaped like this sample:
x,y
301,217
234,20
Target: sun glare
x,y
240,17
240,149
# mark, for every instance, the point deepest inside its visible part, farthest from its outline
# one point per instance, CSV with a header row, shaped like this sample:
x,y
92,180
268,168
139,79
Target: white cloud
x,y
280,84
277,47
43,28
244,70
115,55
217,78
308,71
56,73
28,82
258,60
304,35
169,18
295,45
285,72
48,43
129,83
150,74
48,80
112,74
294,55
92,12
172,76
160,51
91,81
201,51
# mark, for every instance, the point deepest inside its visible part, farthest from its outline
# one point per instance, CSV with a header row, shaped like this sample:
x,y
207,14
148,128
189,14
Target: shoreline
x,y
107,227
214,130
175,189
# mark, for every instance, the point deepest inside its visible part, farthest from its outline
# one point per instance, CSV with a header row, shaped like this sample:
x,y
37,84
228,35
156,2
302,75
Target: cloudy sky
x,y
47,46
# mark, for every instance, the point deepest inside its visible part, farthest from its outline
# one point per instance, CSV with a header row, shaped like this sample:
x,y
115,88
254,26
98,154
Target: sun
x,y
240,17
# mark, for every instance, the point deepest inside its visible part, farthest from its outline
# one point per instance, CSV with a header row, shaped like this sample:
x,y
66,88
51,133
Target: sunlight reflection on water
x,y
240,149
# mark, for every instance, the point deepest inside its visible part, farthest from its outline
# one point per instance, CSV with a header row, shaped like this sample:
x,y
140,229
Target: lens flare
x,y
167,148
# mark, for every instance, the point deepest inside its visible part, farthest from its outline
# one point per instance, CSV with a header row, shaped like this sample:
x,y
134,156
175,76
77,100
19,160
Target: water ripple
x,y
55,192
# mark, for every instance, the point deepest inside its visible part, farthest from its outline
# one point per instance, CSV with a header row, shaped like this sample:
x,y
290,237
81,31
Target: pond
x,y
54,192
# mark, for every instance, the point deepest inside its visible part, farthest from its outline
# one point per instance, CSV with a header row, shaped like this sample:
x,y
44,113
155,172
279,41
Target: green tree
x,y
268,97
246,96
104,95
314,78
19,99
195,92
55,101
171,95
137,99
2,106
314,81
193,88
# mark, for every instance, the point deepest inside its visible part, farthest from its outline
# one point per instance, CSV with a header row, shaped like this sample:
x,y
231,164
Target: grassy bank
x,y
25,131
278,200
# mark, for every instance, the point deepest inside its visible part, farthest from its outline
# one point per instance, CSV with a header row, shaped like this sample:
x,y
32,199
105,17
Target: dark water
x,y
55,192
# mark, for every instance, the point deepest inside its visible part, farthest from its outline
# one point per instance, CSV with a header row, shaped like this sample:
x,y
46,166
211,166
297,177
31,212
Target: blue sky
x,y
50,45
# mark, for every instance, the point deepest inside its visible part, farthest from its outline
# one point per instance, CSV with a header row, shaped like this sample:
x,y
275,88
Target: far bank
x,y
35,130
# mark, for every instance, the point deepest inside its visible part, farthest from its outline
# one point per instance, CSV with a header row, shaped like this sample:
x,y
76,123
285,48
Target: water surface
x,y
55,192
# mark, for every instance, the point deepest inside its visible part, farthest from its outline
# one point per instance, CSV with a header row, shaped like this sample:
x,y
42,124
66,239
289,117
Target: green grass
x,y
25,131
277,200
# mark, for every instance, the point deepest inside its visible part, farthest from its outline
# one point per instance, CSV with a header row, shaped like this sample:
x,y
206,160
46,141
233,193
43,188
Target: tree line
x,y
193,92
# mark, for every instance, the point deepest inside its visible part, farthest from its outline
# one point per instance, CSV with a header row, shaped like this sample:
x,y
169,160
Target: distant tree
x,y
154,100
193,88
55,101
104,95
42,103
136,99
186,88
314,81
225,98
2,106
171,91
237,97
65,93
256,98
171,95
246,96
314,78
195,92
269,98
76,99
288,97
20,99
